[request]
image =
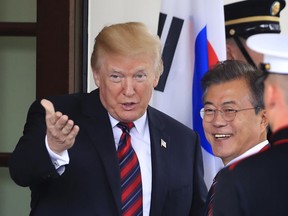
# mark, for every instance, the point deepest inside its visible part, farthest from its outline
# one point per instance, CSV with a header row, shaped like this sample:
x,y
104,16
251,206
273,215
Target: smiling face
x,y
126,85
231,139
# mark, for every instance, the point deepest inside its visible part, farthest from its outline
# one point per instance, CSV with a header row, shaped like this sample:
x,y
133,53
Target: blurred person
x,y
75,148
247,18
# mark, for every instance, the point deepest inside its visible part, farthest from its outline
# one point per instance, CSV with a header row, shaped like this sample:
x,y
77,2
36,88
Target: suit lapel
x,y
99,130
160,163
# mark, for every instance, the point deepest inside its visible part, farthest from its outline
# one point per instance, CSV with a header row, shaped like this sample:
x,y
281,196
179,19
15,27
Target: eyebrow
x,y
229,103
208,103
223,104
115,70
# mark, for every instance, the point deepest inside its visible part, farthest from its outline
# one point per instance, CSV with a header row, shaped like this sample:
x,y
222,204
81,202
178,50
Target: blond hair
x,y
127,39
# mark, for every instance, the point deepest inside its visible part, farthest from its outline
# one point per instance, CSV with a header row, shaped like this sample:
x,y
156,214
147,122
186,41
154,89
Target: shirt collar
x,y
140,124
255,149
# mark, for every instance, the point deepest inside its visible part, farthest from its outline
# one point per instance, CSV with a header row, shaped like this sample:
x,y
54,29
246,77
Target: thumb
x,y
48,106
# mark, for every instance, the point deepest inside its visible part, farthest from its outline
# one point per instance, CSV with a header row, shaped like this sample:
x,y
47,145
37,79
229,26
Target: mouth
x,y
128,106
222,136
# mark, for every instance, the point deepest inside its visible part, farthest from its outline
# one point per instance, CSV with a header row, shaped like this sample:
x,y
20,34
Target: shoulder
x,y
264,157
63,103
67,102
69,99
250,169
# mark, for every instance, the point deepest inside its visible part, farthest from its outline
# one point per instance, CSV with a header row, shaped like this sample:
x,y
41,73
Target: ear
x,y
230,52
270,96
155,81
264,120
96,77
233,52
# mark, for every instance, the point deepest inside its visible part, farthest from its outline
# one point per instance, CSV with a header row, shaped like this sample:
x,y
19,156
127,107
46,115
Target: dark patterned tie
x,y
211,195
131,184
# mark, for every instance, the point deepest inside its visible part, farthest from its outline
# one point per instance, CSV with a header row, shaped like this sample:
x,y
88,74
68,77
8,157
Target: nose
x,y
218,118
128,87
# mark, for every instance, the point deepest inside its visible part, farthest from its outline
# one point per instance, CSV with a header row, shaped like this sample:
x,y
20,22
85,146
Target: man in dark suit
x,y
234,118
68,157
258,184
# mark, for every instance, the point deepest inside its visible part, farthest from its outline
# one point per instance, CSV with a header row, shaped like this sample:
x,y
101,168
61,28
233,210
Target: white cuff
x,y
59,161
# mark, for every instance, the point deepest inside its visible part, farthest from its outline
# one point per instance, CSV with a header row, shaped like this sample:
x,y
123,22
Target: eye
x,y
115,77
209,111
229,110
140,77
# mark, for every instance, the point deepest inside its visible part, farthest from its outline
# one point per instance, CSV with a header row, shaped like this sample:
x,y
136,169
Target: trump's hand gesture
x,y
61,131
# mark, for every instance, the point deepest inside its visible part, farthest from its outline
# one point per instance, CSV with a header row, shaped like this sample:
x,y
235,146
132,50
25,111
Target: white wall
x,y
105,12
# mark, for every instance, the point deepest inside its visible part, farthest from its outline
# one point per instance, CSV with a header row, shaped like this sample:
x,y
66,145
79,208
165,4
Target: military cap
x,y
275,50
246,18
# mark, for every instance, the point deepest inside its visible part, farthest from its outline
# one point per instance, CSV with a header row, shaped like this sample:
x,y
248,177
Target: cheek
x,y
206,127
145,89
109,92
245,132
145,95
266,98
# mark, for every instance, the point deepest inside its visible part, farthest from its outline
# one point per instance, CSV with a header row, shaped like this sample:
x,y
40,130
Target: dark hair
x,y
230,70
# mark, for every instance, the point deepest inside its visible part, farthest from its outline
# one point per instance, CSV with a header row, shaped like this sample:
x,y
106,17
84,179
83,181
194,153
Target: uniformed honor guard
x,y
247,18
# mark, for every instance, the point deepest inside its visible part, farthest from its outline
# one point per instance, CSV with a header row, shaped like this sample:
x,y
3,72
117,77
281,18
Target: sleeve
x,y
30,162
59,161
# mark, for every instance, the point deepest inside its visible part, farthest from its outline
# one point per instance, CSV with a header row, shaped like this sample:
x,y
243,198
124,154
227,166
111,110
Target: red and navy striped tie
x,y
131,184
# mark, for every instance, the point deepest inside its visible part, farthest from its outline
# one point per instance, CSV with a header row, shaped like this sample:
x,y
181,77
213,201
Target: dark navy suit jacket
x,y
90,184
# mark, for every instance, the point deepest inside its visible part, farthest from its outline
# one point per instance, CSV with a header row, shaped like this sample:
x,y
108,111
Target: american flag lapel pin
x,y
163,143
